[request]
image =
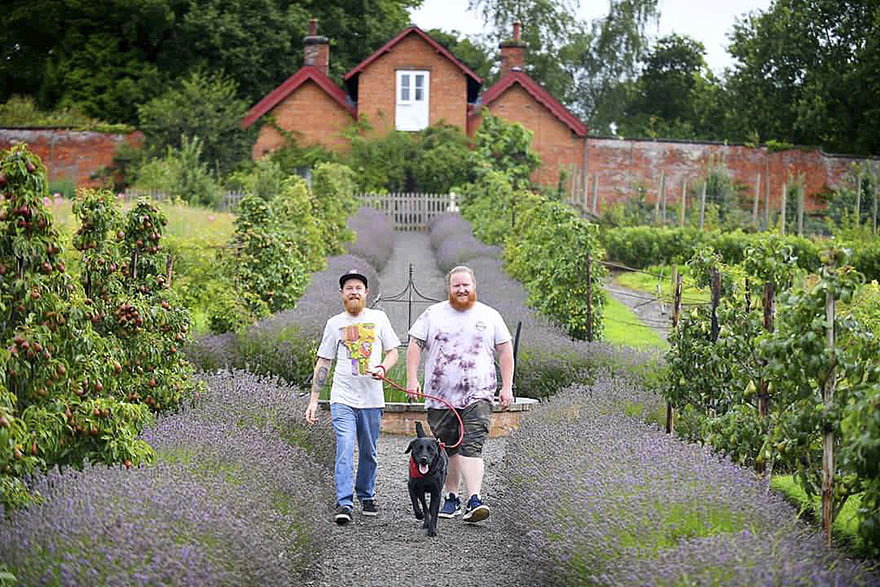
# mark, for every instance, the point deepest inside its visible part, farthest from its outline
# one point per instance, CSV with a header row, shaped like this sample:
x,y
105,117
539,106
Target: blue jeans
x,y
361,425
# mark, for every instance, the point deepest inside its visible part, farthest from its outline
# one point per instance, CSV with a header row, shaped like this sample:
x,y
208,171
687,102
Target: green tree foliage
x,y
432,160
504,147
603,56
472,54
202,106
673,96
806,74
108,57
181,173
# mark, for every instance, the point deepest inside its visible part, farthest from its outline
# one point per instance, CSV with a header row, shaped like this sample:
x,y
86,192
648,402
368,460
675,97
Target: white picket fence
x,y
229,200
410,211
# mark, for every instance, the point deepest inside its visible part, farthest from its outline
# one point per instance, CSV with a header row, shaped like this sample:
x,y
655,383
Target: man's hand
x,y
312,412
413,391
378,371
506,398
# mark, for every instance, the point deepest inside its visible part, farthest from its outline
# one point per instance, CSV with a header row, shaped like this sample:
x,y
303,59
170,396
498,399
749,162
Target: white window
x,y
411,111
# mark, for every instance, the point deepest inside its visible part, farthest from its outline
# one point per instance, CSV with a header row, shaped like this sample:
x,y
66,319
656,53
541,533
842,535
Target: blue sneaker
x,y
451,507
476,510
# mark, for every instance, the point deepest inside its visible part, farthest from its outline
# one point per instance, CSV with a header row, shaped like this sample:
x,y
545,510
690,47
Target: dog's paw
x,y
432,532
419,514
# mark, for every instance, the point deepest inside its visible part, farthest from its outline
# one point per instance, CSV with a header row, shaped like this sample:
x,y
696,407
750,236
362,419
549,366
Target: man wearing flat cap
x,y
356,338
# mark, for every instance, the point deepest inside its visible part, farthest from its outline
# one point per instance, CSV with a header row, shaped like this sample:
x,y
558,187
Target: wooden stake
x,y
769,311
703,205
716,300
858,199
676,314
757,197
782,207
595,193
657,201
684,185
828,437
589,298
801,205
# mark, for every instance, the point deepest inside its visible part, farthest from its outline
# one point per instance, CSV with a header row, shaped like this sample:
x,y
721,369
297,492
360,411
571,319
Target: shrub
x,y
181,174
373,237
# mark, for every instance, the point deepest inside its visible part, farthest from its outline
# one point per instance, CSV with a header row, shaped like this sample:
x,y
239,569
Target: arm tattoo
x,y
320,379
418,341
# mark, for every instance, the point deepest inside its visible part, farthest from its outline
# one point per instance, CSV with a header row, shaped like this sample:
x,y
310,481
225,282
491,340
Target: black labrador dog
x,y
427,474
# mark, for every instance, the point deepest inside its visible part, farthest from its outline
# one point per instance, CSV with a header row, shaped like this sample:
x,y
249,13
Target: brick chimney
x,y
317,48
513,52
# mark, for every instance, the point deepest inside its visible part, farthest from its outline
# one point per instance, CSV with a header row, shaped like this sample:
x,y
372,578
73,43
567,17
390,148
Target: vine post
x,y
757,197
716,300
589,298
676,314
659,195
782,207
800,210
874,191
769,309
703,205
595,193
684,185
828,436
858,198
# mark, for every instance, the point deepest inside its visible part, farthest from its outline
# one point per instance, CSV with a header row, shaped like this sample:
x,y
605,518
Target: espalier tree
x,y
127,284
61,399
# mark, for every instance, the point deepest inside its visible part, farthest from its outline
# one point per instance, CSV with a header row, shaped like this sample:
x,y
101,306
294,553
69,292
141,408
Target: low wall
x,y
69,154
400,418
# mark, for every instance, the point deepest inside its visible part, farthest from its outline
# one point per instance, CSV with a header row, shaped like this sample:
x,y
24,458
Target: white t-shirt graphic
x,y
357,344
460,345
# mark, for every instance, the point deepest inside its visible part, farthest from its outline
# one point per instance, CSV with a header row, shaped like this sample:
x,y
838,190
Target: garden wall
x,y
622,166
69,154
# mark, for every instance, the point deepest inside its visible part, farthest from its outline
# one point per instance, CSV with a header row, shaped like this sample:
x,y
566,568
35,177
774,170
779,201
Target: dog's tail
x,y
420,432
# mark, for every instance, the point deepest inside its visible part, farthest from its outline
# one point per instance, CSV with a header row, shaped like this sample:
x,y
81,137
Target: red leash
x,y
439,399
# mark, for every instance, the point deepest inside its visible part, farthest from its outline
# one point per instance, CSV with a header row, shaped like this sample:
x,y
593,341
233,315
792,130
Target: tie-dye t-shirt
x,y
460,346
358,345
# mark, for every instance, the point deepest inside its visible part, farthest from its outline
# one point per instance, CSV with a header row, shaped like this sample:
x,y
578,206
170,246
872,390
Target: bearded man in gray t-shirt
x,y
356,339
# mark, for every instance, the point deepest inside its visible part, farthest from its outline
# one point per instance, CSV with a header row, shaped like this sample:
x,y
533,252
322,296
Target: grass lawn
x,y
622,326
845,530
690,294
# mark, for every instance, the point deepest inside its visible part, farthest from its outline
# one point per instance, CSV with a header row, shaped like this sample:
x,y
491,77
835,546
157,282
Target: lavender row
x,y
229,502
615,501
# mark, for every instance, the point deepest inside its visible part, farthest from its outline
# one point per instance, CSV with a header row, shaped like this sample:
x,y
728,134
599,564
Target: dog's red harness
x,y
439,399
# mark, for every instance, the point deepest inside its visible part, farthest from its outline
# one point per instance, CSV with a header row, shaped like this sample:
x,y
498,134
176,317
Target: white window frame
x,y
412,99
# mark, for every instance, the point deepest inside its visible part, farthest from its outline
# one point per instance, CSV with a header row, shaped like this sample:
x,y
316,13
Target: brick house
x,y
410,83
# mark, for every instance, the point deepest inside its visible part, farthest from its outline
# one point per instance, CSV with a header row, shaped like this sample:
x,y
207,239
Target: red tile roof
x,y
305,74
538,93
407,31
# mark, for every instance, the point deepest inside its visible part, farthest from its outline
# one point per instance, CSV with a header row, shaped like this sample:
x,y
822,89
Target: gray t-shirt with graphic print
x,y
460,345
357,344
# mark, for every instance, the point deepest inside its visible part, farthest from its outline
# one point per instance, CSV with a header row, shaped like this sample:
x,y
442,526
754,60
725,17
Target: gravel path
x,y
392,549
652,313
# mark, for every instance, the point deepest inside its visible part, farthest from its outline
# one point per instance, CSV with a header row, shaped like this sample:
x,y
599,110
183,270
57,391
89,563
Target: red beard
x,y
354,305
462,306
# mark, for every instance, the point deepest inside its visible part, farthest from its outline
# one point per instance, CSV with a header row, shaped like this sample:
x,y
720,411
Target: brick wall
x,y
447,92
311,115
623,165
67,154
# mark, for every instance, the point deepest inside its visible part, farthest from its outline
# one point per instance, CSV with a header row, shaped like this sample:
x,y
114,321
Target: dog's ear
x,y
420,432
409,448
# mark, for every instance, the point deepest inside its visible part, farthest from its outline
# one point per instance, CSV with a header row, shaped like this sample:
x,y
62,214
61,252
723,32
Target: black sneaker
x,y
451,507
342,515
369,507
476,510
